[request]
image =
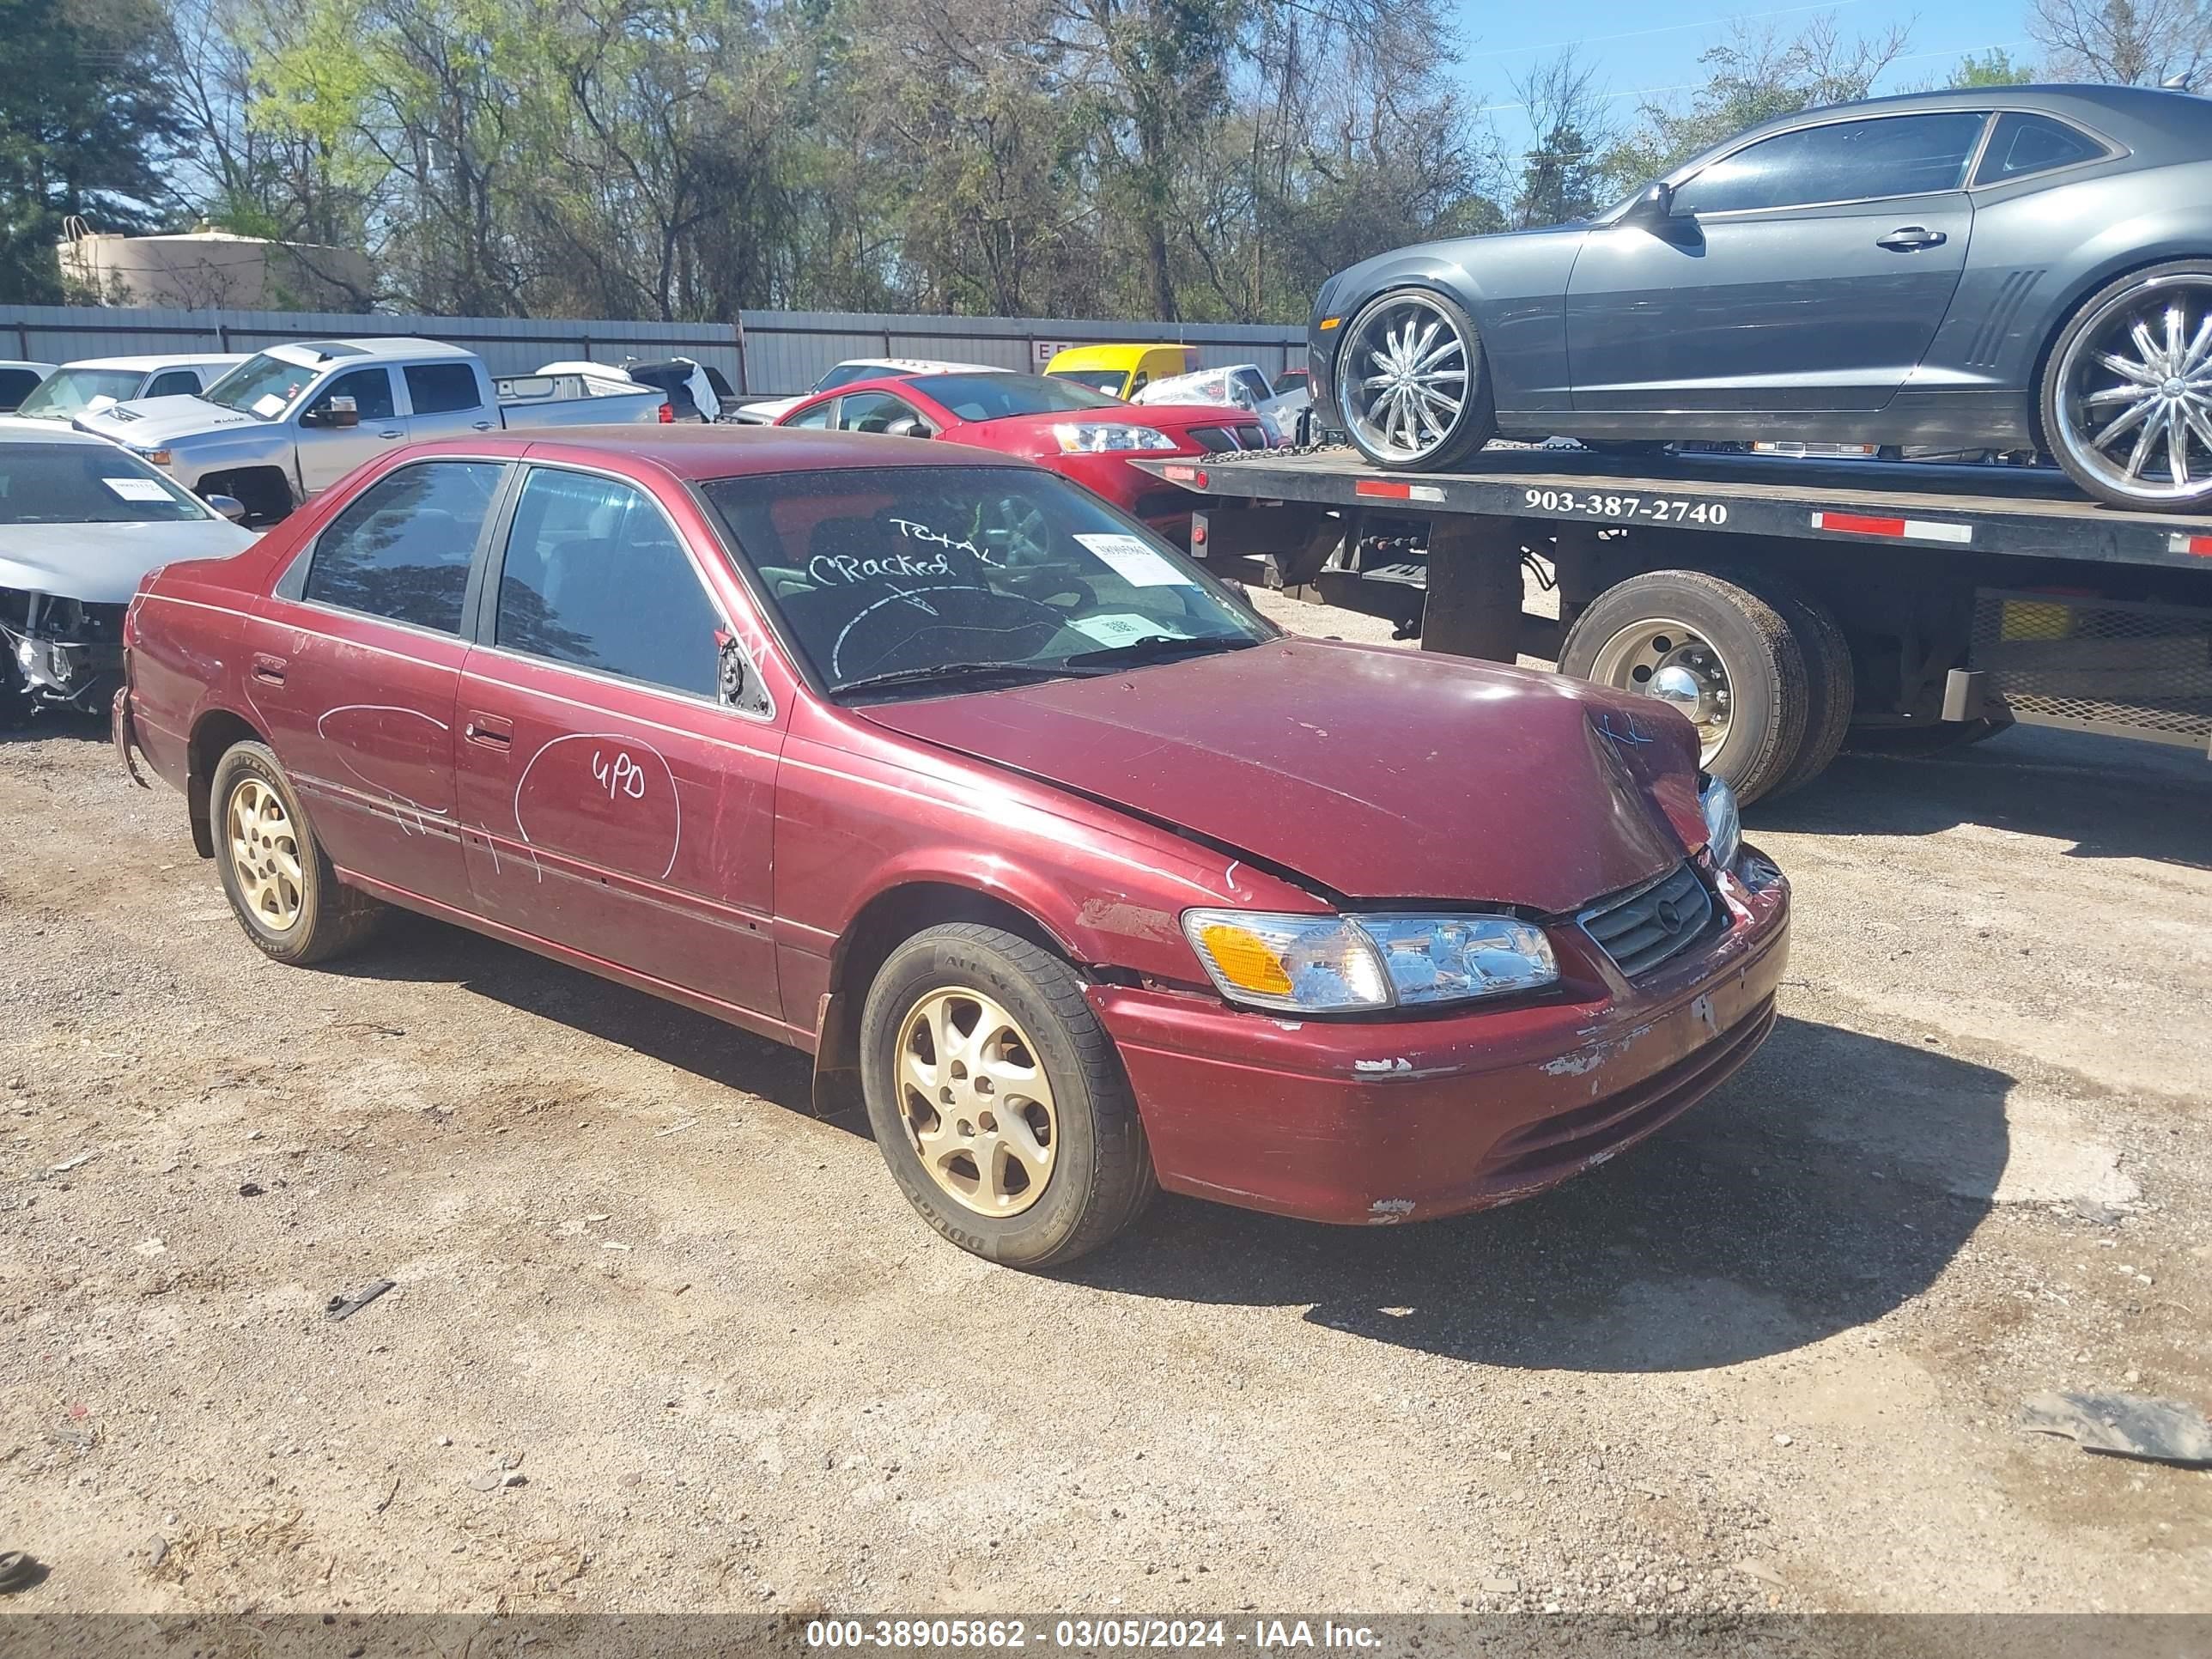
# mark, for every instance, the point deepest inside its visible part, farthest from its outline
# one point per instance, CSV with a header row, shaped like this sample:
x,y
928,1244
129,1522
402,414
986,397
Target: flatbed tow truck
x,y
1782,604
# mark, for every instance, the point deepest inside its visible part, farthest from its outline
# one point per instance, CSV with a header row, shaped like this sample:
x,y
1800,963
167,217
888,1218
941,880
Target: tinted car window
x,y
846,374
16,384
595,576
439,388
2032,143
819,415
370,389
1844,162
995,397
873,411
176,383
401,550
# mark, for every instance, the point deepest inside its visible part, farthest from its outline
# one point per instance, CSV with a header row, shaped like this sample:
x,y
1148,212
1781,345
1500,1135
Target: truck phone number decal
x,y
1654,509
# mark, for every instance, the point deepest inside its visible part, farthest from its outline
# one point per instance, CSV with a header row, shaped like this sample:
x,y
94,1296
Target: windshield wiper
x,y
1153,648
955,671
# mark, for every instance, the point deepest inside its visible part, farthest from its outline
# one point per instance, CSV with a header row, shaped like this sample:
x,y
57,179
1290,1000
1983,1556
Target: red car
x,y
1078,873
1077,432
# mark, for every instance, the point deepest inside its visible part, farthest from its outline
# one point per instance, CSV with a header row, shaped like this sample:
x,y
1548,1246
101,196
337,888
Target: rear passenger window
x,y
2023,144
402,550
595,576
441,388
176,383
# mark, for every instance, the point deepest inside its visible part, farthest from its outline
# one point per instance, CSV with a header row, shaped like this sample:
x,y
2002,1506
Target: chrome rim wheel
x,y
2134,390
976,1104
1671,661
264,854
1405,378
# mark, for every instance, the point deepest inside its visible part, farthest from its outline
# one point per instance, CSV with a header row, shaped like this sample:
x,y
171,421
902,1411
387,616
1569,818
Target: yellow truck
x,y
1122,371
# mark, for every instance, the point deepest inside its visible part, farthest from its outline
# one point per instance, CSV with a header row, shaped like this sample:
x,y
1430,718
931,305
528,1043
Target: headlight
x,y
1723,825
153,457
1090,437
1341,965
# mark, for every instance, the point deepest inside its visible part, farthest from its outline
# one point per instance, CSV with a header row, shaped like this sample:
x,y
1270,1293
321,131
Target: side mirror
x,y
229,506
338,412
907,426
1653,208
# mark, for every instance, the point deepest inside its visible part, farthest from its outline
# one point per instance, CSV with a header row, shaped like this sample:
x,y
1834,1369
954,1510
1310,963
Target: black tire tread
x,y
1784,660
340,917
1122,1180
1831,679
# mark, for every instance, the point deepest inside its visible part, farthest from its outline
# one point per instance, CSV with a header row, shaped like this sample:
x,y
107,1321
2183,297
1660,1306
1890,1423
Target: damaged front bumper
x,y
64,651
1380,1121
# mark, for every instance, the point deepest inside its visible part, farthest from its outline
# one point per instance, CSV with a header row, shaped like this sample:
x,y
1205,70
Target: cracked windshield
x,y
925,578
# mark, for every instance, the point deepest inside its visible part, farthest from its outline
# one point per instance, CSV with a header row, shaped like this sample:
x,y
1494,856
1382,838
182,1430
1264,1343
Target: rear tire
x,y
979,1053
2083,396
1731,660
275,873
1402,433
1831,681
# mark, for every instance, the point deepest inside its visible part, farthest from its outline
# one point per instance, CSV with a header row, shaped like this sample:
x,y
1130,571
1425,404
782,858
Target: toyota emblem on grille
x,y
1669,914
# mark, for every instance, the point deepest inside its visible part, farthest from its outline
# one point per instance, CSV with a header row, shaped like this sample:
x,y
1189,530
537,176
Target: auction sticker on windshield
x,y
1125,628
1134,562
137,489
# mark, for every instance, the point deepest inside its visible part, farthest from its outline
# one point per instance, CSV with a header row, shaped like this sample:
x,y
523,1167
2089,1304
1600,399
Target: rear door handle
x,y
1910,239
269,670
489,731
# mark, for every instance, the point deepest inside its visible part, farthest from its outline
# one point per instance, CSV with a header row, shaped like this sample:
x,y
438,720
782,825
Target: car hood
x,y
1375,774
150,422
103,564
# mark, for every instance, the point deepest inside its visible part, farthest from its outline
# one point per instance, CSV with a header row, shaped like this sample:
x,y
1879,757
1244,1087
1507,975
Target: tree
x,y
83,131
2130,43
1993,67
1563,177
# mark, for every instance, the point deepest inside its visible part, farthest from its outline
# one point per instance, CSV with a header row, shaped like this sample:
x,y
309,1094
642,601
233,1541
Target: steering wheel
x,y
916,627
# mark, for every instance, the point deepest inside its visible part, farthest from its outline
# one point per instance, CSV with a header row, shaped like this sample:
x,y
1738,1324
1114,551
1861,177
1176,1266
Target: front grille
x,y
1252,437
2109,663
1651,924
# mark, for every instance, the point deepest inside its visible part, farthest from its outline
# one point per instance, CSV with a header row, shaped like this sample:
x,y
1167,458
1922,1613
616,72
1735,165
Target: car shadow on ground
x,y
1830,1181
46,723
411,947
2110,797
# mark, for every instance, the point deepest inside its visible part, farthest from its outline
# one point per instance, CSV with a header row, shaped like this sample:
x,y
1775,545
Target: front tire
x,y
1411,384
1721,655
275,873
2126,396
998,1100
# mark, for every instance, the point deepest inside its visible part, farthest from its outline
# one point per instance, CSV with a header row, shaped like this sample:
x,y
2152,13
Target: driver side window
x,y
877,411
369,388
1842,162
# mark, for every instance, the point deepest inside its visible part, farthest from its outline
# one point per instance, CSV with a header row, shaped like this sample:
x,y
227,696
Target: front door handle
x,y
391,432
489,731
269,670
1910,239
480,426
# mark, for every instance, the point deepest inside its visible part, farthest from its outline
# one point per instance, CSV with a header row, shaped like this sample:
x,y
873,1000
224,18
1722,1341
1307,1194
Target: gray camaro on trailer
x,y
1999,268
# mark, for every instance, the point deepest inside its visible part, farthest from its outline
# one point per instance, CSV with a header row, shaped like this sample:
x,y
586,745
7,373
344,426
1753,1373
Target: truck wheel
x,y
1716,652
2123,398
998,1099
1412,385
275,873
1830,682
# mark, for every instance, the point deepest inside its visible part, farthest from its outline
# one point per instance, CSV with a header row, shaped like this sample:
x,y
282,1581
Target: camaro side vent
x,y
1648,925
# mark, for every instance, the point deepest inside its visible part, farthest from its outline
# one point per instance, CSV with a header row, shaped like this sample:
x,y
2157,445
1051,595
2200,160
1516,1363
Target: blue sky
x,y
1636,47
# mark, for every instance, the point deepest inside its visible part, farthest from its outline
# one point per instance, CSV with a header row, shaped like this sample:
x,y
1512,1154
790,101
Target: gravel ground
x,y
662,1340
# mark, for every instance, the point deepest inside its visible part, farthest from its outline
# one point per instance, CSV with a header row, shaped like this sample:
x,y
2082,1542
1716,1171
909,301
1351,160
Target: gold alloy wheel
x,y
264,854
976,1103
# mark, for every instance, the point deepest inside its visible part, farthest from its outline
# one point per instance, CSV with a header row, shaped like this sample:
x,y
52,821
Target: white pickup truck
x,y
295,419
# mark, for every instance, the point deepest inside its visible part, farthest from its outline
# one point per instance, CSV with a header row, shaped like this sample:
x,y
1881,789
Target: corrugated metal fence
x,y
768,354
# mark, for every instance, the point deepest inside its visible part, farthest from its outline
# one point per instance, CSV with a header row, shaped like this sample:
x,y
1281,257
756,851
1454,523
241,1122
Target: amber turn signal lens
x,y
1246,960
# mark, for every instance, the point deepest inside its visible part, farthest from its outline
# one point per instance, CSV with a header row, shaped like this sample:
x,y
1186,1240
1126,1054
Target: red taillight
x,y
668,414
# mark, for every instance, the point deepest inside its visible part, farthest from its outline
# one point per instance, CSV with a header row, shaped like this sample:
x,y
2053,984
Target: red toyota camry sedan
x,y
1082,876
1066,427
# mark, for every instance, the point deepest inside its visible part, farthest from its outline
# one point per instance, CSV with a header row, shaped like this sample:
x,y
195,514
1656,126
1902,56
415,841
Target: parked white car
x,y
294,419
694,390
81,522
1238,386
859,368
92,383
18,379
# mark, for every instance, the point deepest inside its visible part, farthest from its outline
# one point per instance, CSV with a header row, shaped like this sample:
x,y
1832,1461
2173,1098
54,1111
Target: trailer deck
x,y
2004,510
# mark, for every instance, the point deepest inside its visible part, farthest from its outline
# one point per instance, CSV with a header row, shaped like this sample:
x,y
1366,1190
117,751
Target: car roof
x,y
1111,357
20,429
147,365
695,453
2130,114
